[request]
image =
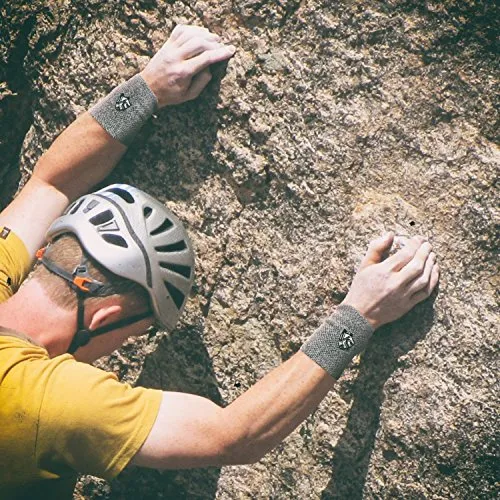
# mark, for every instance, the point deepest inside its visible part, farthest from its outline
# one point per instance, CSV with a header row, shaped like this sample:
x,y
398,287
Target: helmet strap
x,y
83,336
83,285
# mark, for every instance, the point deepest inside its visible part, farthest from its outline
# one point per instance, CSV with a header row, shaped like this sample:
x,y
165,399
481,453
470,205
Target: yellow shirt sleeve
x,y
15,263
90,422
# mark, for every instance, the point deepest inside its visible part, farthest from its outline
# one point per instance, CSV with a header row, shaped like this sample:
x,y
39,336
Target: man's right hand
x,y
180,69
191,431
384,290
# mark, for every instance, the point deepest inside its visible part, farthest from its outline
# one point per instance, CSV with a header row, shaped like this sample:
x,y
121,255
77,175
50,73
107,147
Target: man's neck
x,y
31,312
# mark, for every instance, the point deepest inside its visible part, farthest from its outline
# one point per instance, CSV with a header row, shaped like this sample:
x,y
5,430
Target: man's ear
x,y
105,315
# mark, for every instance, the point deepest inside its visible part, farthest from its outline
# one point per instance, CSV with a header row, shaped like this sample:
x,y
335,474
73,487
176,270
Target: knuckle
x,y
181,72
178,29
207,57
420,283
383,275
391,286
426,247
177,77
406,254
413,267
419,265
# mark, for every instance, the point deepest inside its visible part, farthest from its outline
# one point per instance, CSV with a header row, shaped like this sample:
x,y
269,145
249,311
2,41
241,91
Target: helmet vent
x,y
173,247
90,206
147,211
102,218
166,224
175,293
124,195
76,206
177,268
114,239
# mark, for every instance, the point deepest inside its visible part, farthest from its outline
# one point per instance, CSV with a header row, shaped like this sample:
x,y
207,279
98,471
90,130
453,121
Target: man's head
x,y
124,298
114,258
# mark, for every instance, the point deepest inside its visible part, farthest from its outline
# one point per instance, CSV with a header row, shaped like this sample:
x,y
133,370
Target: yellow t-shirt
x,y
59,417
15,263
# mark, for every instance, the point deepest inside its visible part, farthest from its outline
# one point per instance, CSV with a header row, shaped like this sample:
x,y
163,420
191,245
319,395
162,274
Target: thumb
x,y
377,249
199,82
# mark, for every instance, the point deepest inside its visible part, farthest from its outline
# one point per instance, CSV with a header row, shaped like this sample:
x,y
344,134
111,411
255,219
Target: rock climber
x,y
115,262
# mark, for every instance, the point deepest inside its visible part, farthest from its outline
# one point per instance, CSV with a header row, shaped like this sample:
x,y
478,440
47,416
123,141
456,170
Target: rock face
x,y
333,122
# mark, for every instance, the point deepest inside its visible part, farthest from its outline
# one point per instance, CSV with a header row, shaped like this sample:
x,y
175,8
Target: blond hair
x,y
66,252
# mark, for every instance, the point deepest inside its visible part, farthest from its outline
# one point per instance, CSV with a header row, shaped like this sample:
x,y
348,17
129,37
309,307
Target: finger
x,y
402,257
423,279
188,34
199,82
377,249
426,292
187,37
196,46
416,266
181,29
202,61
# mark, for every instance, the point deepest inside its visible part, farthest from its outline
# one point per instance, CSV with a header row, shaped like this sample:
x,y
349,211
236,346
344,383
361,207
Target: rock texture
x,y
333,122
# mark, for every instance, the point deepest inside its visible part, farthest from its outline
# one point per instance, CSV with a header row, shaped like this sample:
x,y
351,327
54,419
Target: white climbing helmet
x,y
138,238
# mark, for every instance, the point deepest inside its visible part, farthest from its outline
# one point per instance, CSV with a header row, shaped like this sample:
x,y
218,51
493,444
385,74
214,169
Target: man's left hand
x,y
180,69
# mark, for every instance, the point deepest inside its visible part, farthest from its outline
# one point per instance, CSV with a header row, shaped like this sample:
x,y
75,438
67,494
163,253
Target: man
x,y
104,277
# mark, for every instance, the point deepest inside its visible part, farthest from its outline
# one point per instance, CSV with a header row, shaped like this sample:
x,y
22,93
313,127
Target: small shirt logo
x,y
345,341
5,232
123,103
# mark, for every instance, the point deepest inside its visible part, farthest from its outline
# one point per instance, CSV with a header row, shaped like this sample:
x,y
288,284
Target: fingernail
x,y
231,48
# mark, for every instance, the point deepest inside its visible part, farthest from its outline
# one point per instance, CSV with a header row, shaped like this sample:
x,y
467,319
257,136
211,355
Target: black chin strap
x,y
83,285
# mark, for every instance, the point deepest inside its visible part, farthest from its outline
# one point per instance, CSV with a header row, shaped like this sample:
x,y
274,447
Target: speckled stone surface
x,y
333,122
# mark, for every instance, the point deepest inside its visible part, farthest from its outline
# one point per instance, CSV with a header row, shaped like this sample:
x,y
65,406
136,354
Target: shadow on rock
x,y
172,156
381,359
16,113
181,364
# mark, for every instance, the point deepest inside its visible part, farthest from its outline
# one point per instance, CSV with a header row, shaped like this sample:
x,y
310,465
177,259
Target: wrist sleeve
x,y
343,335
126,109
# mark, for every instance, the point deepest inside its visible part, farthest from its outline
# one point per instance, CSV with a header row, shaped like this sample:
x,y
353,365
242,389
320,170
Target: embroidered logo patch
x,y
123,103
5,232
345,341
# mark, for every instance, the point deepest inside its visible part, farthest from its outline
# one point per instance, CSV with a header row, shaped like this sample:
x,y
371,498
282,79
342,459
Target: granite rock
x,y
334,122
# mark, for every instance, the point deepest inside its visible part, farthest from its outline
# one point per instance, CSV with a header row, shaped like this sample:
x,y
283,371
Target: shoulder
x,y
15,262
90,420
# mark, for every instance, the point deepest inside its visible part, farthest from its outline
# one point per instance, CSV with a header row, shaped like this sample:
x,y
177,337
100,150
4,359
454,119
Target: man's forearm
x,y
270,410
82,156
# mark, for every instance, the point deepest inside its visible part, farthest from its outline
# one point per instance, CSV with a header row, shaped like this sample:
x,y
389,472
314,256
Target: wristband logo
x,y
345,341
123,103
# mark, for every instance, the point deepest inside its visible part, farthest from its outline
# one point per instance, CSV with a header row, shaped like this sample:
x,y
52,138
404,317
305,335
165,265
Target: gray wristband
x,y
126,109
343,335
